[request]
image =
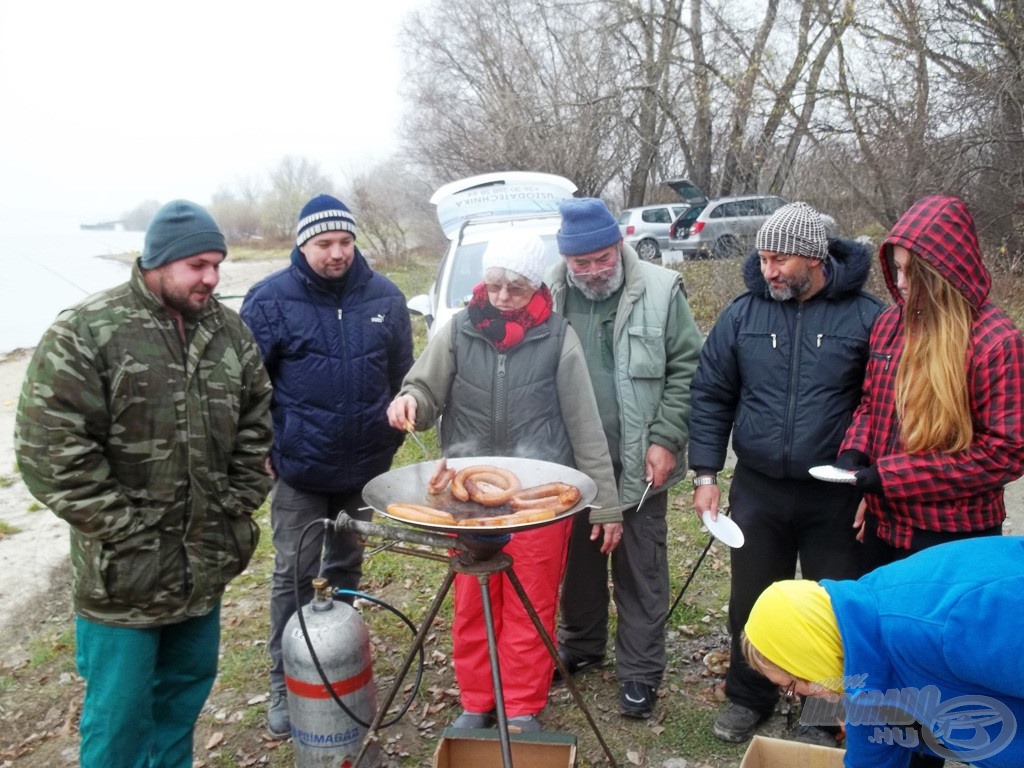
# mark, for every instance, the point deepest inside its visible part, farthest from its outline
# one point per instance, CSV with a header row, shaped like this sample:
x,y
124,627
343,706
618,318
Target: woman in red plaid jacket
x,y
940,428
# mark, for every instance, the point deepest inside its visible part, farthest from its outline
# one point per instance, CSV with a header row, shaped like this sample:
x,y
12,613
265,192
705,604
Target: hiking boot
x,y
524,724
576,664
737,723
474,719
813,734
637,699
278,722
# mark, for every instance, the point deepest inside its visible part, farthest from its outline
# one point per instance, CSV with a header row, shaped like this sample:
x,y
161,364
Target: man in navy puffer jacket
x,y
782,371
337,341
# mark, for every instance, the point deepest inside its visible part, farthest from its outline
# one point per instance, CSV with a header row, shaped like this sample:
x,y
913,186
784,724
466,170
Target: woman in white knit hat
x,y
510,379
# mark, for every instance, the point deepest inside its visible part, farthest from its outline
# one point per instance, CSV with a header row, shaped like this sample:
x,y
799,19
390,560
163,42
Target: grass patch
x,y
57,647
6,529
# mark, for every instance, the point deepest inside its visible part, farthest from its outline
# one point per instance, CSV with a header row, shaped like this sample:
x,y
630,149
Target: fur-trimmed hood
x,y
847,267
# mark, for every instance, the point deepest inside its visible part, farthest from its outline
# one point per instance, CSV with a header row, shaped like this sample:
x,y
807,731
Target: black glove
x,y
852,460
869,480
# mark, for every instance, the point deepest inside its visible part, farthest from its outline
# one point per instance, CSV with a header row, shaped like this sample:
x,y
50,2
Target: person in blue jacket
x,y
926,653
336,339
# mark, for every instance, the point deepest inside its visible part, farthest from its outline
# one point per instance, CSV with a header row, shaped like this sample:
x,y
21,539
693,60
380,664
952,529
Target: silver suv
x,y
723,227
646,228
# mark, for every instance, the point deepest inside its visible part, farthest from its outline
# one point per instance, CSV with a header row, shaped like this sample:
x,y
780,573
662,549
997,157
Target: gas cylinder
x,y
323,734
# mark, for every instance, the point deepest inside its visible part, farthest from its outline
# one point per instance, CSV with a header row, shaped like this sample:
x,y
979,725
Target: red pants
x,y
526,668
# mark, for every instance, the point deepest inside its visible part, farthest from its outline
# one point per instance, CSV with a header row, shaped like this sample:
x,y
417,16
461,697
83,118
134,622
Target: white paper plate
x,y
723,529
831,474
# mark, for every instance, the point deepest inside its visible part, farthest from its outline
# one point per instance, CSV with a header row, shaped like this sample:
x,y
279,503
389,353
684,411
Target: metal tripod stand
x,y
483,564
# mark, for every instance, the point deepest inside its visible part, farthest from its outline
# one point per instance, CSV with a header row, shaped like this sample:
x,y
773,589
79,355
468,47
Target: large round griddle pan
x,y
408,485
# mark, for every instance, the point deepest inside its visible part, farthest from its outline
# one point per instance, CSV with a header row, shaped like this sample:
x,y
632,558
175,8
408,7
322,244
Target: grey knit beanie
x,y
795,229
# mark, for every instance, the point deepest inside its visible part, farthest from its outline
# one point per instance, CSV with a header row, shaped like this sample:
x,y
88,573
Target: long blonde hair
x,y
932,397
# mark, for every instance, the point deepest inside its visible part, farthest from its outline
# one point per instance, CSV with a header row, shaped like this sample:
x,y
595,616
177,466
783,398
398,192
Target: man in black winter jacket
x,y
782,371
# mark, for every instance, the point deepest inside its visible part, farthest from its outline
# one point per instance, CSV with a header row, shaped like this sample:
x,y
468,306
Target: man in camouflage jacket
x,y
144,423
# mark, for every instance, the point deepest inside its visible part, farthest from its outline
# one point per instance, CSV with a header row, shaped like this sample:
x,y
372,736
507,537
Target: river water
x,y
50,264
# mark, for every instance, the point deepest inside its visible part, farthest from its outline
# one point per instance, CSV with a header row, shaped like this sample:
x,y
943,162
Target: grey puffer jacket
x,y
784,376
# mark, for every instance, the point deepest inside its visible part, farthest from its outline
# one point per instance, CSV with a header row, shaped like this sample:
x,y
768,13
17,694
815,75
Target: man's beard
x,y
795,287
605,286
188,305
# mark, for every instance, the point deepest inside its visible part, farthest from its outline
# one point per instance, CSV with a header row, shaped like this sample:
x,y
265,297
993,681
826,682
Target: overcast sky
x,y
113,102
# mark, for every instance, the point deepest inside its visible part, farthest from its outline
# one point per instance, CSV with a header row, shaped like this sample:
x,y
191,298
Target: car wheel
x,y
726,247
647,250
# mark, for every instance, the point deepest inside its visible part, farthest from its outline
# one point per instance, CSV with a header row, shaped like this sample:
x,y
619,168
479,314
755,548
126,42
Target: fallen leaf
x,y
215,740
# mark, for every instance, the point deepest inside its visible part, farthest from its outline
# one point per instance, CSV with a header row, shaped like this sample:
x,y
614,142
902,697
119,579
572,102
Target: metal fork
x,y
411,429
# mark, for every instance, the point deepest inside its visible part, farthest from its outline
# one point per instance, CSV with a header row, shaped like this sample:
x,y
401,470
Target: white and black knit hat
x,y
324,214
794,229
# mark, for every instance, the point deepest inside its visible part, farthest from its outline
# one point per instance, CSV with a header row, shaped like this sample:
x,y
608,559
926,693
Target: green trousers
x,y
144,691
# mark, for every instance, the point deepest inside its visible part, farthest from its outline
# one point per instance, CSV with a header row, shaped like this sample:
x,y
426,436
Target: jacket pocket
x,y
241,535
143,416
646,352
130,568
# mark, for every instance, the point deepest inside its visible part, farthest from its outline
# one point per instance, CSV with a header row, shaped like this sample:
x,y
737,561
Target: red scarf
x,y
505,329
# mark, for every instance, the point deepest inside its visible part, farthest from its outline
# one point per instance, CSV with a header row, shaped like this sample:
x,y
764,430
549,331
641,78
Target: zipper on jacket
x,y
820,335
886,357
340,311
775,340
500,424
794,368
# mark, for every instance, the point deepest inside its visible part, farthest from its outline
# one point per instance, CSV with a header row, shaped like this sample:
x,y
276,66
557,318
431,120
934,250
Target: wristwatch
x,y
700,480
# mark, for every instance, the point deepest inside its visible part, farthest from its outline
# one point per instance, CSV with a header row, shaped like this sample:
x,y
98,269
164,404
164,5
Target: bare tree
x,y
510,84
293,182
388,200
237,209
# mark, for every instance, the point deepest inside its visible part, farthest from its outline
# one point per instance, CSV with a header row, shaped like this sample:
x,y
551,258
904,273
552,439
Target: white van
x,y
470,211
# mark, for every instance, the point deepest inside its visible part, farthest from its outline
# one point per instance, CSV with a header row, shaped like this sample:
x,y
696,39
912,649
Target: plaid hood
x,y
941,231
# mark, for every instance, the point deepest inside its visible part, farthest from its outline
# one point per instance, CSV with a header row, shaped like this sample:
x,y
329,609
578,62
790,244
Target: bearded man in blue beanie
x,y
144,422
642,347
337,341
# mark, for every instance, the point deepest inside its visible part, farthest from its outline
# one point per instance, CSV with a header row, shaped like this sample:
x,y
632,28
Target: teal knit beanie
x,y
180,229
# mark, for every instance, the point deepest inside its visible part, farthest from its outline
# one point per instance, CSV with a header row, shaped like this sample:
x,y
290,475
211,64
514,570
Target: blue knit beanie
x,y
180,229
324,214
587,226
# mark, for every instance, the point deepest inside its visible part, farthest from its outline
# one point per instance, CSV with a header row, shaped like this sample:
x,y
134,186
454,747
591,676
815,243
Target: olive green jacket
x,y
152,449
656,345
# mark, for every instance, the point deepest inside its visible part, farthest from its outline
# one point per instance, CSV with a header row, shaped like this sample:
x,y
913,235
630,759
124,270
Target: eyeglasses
x,y
788,691
603,263
515,291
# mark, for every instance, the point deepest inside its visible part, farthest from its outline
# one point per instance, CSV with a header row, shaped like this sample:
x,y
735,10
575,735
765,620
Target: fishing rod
x,y
55,273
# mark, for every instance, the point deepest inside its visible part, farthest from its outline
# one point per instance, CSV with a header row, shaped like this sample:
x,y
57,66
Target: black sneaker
x,y
636,699
813,734
278,722
737,723
576,664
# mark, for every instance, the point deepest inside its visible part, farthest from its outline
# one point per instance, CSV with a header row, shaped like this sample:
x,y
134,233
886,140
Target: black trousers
x,y
785,522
